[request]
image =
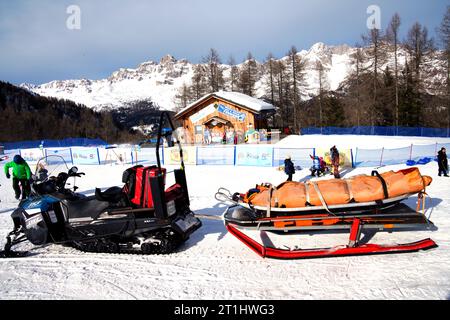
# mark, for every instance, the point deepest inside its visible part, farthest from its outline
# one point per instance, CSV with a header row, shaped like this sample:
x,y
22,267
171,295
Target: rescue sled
x,y
274,212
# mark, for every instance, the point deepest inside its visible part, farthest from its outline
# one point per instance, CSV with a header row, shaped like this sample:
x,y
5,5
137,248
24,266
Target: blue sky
x,y
37,47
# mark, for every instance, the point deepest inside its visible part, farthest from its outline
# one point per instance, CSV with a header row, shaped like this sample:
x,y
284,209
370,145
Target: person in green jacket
x,y
21,174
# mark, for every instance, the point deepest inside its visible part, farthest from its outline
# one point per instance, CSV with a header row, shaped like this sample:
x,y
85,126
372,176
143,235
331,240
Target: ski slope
x,y
213,264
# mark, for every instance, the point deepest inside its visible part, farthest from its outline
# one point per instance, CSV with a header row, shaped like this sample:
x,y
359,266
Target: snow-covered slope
x,y
160,82
213,264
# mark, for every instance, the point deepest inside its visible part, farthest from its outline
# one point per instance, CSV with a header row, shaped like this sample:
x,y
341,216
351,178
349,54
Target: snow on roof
x,y
255,104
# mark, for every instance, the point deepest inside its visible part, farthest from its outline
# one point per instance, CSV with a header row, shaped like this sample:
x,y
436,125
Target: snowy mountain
x,y
159,82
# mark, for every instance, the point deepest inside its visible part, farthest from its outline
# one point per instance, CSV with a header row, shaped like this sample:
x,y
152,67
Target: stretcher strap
x,y
307,193
319,193
349,189
383,183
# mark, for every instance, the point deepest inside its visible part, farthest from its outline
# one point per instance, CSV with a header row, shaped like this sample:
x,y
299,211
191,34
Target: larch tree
x,y
392,36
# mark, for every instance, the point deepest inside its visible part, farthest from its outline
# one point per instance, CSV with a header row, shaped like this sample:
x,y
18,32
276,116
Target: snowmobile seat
x,y
84,208
112,195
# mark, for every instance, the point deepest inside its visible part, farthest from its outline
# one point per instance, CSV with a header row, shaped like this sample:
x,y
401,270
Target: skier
x,y
319,166
316,165
21,174
443,162
289,167
334,155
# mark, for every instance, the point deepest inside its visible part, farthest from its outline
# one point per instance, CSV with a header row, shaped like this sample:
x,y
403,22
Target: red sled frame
x,y
351,249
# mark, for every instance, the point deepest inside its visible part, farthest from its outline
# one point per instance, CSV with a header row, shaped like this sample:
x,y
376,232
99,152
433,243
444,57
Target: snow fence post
x,y
234,156
98,156
410,152
196,155
356,155
351,155
381,160
273,156
71,157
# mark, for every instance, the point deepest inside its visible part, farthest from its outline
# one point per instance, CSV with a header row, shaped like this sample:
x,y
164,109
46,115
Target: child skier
x,y
289,168
318,166
21,174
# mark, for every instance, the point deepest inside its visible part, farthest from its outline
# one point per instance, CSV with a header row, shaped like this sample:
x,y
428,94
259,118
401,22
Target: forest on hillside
x,y
28,116
394,82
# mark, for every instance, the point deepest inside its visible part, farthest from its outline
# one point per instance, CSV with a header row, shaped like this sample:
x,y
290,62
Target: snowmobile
x,y
140,217
330,206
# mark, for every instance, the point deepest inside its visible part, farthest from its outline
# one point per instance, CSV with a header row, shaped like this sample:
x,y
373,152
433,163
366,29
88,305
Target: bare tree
x,y
269,67
419,45
234,74
296,66
198,81
444,37
248,75
214,72
183,97
392,34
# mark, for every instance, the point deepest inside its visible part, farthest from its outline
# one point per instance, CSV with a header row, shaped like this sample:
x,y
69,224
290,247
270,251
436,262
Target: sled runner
x,y
140,217
278,215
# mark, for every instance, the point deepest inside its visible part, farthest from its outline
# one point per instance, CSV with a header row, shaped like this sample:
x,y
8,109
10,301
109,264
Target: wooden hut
x,y
223,112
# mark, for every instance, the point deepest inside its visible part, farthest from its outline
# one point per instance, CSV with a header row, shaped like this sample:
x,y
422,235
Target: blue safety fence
x,y
300,157
240,155
216,155
65,143
64,153
381,131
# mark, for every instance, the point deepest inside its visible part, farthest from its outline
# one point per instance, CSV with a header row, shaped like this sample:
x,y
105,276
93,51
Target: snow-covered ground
x,y
213,264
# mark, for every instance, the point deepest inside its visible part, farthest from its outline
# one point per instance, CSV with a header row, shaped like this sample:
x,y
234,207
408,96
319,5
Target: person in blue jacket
x,y
289,167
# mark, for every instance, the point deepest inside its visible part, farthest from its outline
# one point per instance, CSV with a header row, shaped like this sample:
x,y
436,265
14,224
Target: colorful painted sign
x,y
85,156
32,155
172,155
231,112
253,156
202,113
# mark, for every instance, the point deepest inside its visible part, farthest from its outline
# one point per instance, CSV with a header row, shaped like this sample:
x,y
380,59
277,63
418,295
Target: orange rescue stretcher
x,y
358,203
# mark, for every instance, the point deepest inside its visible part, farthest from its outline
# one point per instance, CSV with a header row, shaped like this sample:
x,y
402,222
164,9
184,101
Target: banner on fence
x,y
32,155
115,155
65,154
145,155
215,156
254,156
85,156
345,157
172,155
300,157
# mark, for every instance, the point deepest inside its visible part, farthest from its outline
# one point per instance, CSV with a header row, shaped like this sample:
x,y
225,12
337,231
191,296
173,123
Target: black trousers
x,y
443,169
289,177
26,189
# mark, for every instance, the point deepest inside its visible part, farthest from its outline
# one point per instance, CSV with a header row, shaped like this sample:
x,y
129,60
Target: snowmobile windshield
x,y
50,166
